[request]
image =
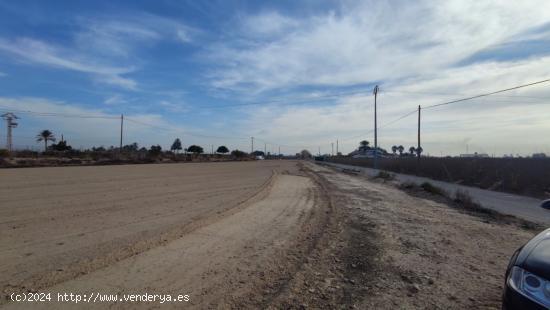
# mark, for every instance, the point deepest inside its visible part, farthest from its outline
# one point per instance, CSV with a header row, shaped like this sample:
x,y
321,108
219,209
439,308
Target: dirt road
x,y
267,234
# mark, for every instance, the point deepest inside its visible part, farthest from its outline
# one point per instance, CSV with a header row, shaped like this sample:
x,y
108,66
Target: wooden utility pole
x,y
332,147
251,145
418,147
121,130
375,127
337,151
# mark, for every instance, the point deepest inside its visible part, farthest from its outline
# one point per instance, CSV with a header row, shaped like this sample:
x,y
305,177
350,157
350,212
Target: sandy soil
x,y
58,223
269,235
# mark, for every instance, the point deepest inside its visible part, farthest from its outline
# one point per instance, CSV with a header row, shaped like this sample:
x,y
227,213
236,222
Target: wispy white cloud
x,y
2,74
121,35
39,52
172,106
106,47
367,42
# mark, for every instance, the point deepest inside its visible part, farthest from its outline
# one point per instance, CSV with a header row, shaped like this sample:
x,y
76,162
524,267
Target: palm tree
x,y
45,135
394,149
412,150
419,151
364,143
400,149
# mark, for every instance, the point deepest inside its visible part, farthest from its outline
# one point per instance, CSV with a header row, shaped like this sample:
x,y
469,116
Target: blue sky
x,y
293,73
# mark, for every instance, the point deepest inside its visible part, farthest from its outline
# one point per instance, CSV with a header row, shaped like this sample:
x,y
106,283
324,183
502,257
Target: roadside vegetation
x,y
463,201
522,176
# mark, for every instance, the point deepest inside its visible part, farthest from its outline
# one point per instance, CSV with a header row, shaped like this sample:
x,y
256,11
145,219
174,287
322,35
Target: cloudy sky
x,y
294,74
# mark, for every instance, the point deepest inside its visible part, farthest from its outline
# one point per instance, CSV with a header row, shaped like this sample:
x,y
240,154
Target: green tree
x,y
131,148
419,151
155,150
222,149
305,154
195,149
394,149
364,144
176,146
61,146
412,150
45,135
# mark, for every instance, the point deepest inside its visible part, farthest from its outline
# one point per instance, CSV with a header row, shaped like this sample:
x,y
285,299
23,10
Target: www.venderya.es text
x,y
94,297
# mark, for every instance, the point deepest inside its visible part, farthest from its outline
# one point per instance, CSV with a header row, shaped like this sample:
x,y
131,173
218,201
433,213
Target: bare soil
x,y
245,235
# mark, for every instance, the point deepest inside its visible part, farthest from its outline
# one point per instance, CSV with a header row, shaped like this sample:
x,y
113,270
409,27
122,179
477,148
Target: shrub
x,y
467,202
430,188
385,175
4,153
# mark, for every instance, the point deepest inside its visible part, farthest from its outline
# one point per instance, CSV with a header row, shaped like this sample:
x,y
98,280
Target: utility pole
x,y
279,150
337,147
418,147
9,117
332,147
121,130
375,128
251,145
265,149
319,151
212,152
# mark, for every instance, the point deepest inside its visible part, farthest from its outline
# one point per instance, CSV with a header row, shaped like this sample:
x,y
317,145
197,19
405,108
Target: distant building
x,y
475,155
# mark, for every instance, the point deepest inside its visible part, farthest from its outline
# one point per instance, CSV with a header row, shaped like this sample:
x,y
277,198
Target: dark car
x,y
527,284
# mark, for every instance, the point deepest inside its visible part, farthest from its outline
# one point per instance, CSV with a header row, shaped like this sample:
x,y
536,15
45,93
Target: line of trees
x,y
412,150
47,136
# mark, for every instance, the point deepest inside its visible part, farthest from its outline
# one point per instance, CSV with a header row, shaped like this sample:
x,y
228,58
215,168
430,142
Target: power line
x,y
486,94
184,133
382,126
287,102
55,114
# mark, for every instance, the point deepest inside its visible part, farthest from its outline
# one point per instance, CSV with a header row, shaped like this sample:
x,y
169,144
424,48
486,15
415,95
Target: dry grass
x,y
524,176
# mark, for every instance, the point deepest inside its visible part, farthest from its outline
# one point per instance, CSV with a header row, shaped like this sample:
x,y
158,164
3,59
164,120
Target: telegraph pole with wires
x,y
9,117
337,147
121,130
251,145
418,147
375,92
332,149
